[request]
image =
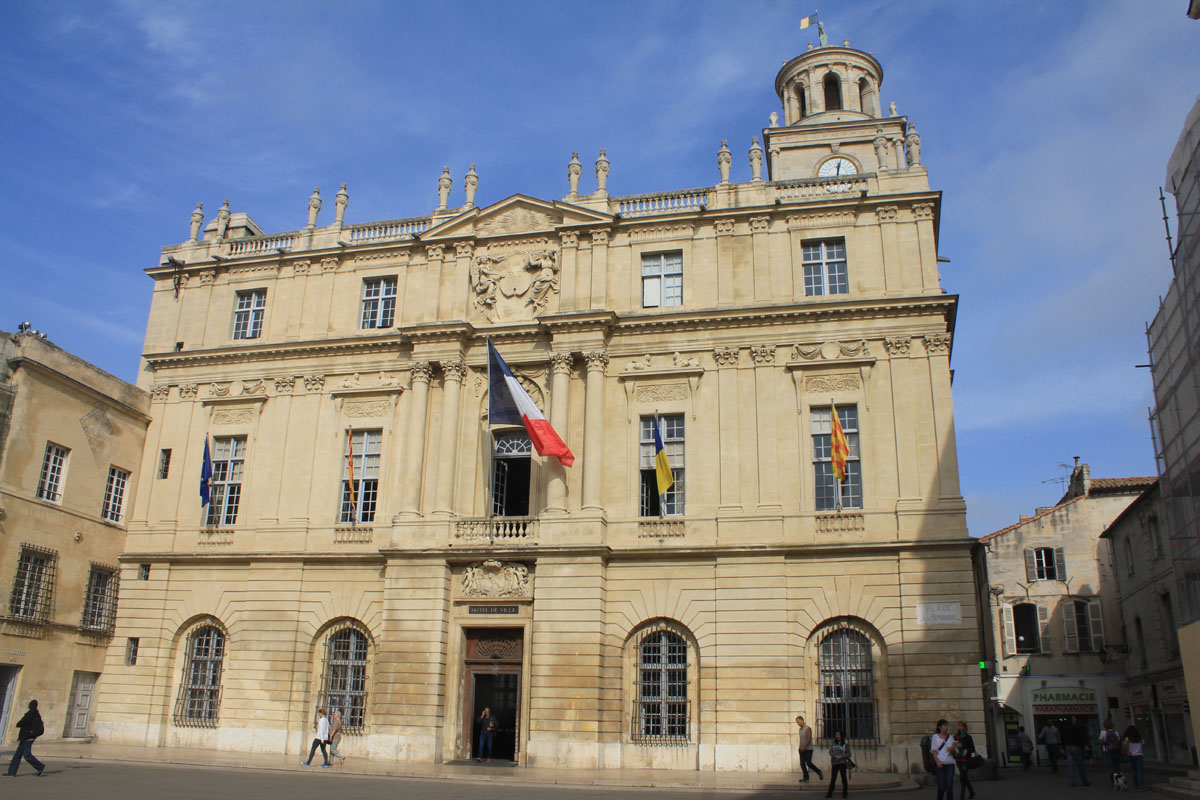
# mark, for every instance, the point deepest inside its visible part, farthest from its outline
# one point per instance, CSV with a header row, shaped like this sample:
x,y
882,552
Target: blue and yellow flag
x,y
808,21
662,467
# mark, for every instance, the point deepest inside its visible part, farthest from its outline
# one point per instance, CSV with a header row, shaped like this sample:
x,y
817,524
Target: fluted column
x,y
414,462
453,371
593,428
560,384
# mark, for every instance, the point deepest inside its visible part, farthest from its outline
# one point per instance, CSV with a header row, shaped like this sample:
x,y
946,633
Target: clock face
x,y
835,167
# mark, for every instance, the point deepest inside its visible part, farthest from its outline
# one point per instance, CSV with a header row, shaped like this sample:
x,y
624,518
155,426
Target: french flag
x,y
510,404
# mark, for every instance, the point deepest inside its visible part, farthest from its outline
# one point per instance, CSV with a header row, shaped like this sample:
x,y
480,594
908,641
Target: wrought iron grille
x,y
846,700
32,597
662,710
200,691
344,677
100,599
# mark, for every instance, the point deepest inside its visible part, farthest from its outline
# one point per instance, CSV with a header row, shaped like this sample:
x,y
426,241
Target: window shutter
x,y
1060,564
1030,566
1070,631
1010,630
1043,628
1096,624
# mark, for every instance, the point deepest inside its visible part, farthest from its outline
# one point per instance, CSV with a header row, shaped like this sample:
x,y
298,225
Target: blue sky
x,y
1047,126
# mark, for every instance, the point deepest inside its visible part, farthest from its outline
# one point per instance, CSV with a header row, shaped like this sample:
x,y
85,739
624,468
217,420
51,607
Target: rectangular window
x,y
1170,634
671,503
825,267
143,572
164,463
228,459
826,485
113,508
100,599
379,302
54,466
248,314
1083,625
32,596
131,650
360,461
662,279
1045,564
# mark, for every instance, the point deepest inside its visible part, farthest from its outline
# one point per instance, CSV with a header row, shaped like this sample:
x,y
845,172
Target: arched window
x,y
661,707
802,100
833,92
511,466
845,667
200,691
866,98
344,677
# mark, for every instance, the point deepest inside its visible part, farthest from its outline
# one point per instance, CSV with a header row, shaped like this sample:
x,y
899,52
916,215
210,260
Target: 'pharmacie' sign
x,y
1064,700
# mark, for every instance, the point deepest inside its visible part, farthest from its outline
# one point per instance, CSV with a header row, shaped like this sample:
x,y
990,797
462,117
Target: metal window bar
x,y
100,599
228,460
662,708
378,303
846,693
50,480
825,485
113,507
344,677
199,698
131,651
32,598
164,463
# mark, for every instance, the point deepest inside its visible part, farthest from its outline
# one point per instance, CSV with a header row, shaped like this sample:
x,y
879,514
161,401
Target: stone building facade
x,y
71,440
455,569
1060,646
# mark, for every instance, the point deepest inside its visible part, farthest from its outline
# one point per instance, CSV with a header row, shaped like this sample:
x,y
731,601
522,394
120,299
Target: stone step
x,y
1189,783
1176,792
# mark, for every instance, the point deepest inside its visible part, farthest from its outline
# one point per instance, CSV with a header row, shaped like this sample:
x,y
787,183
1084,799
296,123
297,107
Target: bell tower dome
x,y
829,84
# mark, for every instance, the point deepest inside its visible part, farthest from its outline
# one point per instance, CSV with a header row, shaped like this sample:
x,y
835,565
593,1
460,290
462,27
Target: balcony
x,y
496,530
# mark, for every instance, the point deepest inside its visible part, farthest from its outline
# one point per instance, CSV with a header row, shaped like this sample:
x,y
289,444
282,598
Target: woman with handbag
x,y
966,759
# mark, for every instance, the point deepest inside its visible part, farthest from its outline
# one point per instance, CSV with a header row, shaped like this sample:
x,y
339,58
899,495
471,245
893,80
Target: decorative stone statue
x,y
343,199
197,221
602,173
574,170
314,206
774,119
756,156
724,159
445,183
471,182
881,147
892,112
222,221
912,146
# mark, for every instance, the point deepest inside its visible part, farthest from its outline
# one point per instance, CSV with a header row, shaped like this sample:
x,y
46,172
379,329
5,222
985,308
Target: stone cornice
x,y
274,351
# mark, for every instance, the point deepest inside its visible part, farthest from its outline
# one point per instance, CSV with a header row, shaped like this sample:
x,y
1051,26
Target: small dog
x,y
1119,783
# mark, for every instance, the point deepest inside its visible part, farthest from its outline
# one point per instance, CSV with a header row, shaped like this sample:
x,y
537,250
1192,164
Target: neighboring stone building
x,y
455,569
1146,598
1175,366
71,439
1059,644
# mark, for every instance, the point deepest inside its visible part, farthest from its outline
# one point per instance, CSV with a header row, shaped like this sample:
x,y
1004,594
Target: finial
x,y
845,42
445,183
756,157
724,159
342,200
222,221
602,173
197,221
774,118
472,183
314,206
574,170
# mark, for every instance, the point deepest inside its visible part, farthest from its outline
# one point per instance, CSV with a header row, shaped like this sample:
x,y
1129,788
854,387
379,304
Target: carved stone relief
x,y
826,351
923,210
517,220
561,362
898,346
639,364
660,392
314,383
886,213
232,416
160,393
726,356
329,264
723,227
596,360
514,286
219,390
301,267
762,354
256,386
841,382
496,579
685,362
285,385
937,343
187,391
661,233
569,239
822,219
359,409
760,224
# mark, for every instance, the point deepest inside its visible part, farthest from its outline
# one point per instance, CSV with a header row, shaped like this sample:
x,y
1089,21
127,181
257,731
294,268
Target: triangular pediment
x,y
515,216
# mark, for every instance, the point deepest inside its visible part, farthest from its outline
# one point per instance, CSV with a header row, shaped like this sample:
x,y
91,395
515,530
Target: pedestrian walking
x,y
806,750
1026,745
1074,739
321,738
335,736
1133,748
29,727
943,747
839,763
965,751
487,732
1050,737
1110,743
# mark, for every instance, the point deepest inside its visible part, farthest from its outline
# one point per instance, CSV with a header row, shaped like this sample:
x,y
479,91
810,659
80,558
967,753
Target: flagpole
x,y
490,450
662,497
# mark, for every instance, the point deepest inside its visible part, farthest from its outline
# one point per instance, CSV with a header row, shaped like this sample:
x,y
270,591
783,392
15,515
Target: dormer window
x,y
833,92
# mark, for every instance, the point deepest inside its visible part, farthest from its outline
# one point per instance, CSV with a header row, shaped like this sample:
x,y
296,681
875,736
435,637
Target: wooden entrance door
x,y
492,672
79,709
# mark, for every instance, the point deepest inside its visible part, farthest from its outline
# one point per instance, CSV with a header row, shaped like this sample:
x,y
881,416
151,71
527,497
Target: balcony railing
x,y
817,188
503,530
255,245
394,230
644,205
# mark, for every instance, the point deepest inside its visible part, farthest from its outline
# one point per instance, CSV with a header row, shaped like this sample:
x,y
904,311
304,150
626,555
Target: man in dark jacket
x,y
1074,738
29,728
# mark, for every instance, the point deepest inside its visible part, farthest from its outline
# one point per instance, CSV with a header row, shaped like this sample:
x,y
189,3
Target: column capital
x,y
726,356
597,360
561,362
422,372
453,369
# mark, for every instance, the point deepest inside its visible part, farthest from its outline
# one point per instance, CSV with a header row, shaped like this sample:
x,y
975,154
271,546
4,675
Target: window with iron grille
x,y
131,651
54,465
379,303
661,707
100,599
32,597
662,279
846,694
826,485
113,507
670,504
359,505
164,462
228,459
200,690
248,314
344,677
825,267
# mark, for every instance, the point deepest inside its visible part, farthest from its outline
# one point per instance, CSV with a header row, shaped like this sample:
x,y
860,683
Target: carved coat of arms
x,y
496,579
516,285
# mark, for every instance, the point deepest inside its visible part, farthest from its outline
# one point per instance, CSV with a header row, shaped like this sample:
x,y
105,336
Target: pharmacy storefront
x,y
1058,704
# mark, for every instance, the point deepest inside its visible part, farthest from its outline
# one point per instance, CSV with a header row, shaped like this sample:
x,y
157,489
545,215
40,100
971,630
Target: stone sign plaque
x,y
939,613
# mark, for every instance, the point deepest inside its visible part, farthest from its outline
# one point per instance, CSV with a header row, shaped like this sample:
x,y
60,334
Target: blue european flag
x,y
205,476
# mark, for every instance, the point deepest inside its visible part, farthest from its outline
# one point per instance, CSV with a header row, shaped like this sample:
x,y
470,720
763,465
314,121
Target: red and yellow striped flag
x,y
838,447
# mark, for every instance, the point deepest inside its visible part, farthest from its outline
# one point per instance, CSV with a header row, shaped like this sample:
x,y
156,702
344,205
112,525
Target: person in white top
x,y
320,740
943,747
1133,746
